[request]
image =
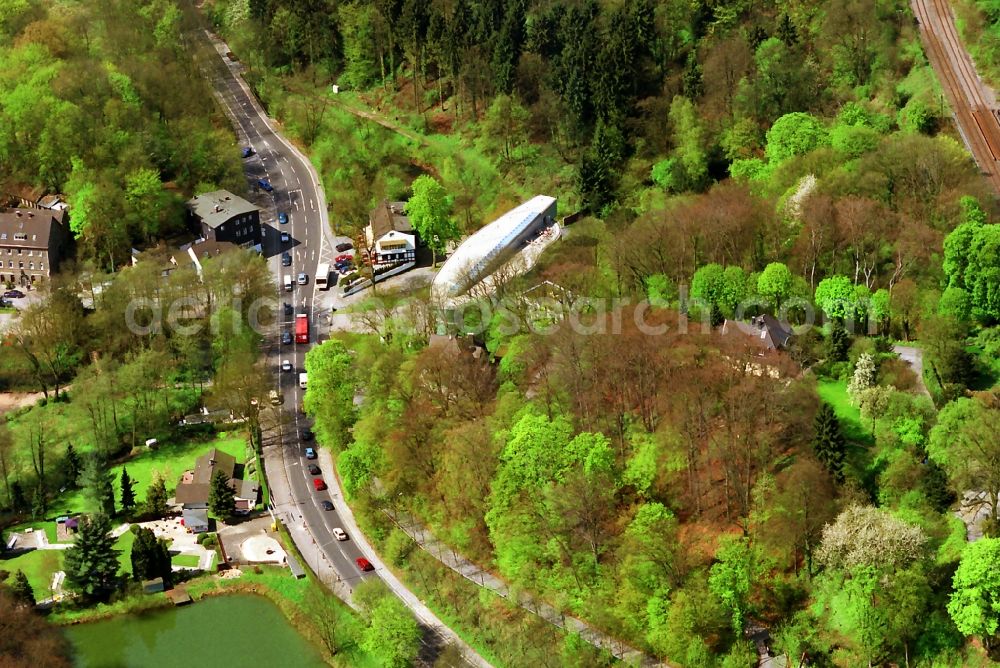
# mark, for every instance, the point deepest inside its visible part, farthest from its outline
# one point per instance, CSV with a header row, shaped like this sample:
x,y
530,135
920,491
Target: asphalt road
x,y
295,193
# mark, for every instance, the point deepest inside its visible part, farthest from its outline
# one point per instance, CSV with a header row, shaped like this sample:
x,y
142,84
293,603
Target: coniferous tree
x,y
829,443
156,497
96,481
17,500
838,342
73,465
221,497
128,491
22,590
150,556
91,565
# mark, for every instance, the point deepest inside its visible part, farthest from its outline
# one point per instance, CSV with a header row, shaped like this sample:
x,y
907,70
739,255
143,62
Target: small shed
x,y
152,586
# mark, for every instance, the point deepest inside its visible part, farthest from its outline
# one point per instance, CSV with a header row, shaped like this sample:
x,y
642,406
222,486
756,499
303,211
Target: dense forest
x,y
89,107
729,159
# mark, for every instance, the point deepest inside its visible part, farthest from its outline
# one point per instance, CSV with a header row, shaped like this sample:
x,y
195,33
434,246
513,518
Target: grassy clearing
x,y
834,392
38,565
169,460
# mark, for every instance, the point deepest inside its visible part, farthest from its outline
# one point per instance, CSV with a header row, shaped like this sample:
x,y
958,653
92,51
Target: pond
x,y
232,630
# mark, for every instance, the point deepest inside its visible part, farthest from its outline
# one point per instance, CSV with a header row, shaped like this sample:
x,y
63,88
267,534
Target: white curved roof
x,y
476,252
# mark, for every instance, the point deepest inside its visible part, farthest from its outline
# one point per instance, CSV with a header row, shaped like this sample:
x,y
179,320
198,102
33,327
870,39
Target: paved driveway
x,y
915,358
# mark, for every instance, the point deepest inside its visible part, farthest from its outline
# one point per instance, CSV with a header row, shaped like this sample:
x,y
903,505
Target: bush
x,y
398,547
208,539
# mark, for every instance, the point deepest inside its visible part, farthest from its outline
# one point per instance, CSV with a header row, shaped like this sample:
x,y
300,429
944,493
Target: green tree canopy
x,y
975,598
221,497
775,283
794,134
150,556
329,397
429,209
91,565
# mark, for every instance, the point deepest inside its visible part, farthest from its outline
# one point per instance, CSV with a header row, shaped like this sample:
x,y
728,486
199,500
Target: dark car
x,y
13,294
286,338
265,185
282,217
364,564
289,309
313,469
306,434
344,247
247,151
327,505
286,259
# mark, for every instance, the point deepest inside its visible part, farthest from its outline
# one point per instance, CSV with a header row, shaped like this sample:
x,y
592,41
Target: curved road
x,y
297,192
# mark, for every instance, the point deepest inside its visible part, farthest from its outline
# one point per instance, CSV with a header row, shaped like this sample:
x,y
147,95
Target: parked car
x,y
286,365
364,564
310,453
344,247
313,469
282,217
343,258
275,398
286,338
286,259
265,185
327,505
247,151
339,534
289,309
318,484
306,434
13,294
285,238
303,278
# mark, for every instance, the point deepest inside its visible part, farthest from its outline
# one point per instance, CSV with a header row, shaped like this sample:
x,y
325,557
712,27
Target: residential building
x,y
193,489
222,216
770,333
389,236
32,242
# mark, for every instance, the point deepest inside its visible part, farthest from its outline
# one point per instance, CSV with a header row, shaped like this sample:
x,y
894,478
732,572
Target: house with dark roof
x,y
31,244
768,331
193,489
222,216
389,236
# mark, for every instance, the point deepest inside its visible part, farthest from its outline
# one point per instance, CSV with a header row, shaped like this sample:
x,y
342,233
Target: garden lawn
x,y
124,547
185,560
834,392
170,460
38,565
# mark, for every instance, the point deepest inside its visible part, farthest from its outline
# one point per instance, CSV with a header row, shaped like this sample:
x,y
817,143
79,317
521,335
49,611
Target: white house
x,y
389,237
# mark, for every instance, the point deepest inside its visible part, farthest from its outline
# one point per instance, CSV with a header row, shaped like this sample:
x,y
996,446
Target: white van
x,y
302,380
288,282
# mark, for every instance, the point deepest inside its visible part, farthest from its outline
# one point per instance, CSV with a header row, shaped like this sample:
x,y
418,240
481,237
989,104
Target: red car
x,y
343,258
364,564
319,484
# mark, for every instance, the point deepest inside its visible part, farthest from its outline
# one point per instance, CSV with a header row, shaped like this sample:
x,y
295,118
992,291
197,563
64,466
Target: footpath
x,y
428,542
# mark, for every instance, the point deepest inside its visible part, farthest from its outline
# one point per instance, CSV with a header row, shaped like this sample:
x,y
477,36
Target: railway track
x,y
975,113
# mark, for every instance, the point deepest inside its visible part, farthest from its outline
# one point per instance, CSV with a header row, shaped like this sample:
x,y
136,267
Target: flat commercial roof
x,y
475,252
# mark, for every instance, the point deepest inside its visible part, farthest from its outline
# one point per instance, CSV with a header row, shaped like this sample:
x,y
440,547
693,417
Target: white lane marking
x,y
312,205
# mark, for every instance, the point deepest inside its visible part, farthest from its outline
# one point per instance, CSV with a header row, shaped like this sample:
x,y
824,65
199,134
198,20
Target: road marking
x,y
312,205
